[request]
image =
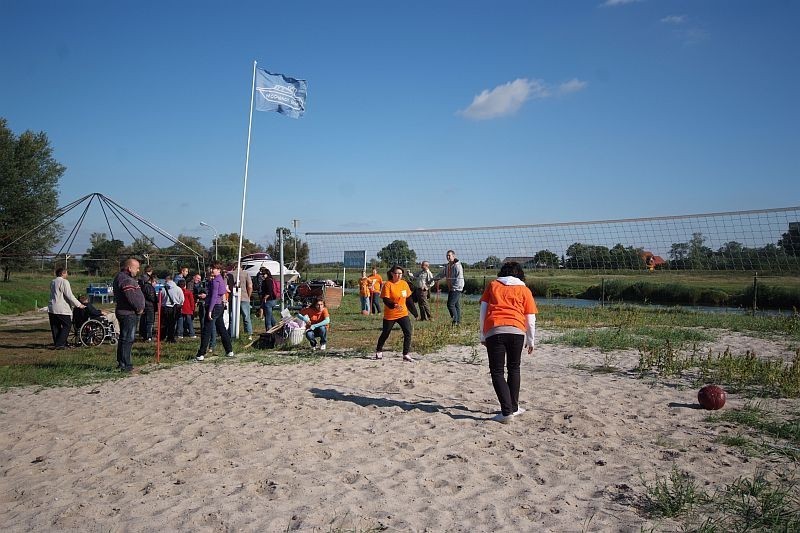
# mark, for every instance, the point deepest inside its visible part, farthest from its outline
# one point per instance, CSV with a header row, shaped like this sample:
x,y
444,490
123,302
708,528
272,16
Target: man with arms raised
x,y
130,304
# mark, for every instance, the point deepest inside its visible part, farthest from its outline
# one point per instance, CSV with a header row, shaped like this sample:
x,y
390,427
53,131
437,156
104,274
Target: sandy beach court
x,y
353,444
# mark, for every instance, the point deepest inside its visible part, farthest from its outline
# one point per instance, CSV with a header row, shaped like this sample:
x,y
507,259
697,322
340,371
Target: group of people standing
x,y
507,313
507,319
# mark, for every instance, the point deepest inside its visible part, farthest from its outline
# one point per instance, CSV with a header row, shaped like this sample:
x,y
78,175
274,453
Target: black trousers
x,y
217,321
59,327
168,321
405,325
505,348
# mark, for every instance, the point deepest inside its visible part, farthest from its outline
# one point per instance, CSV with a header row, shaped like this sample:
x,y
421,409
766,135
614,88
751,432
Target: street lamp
x,y
216,238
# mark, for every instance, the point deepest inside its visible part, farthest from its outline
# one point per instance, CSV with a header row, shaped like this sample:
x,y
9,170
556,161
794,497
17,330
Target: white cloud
x,y
504,99
614,3
572,86
508,98
674,19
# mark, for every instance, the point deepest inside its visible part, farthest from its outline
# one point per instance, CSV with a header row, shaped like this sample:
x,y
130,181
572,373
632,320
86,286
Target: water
x,y
586,304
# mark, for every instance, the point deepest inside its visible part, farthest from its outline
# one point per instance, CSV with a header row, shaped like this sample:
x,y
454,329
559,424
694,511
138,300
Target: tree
x,y
790,241
28,196
289,242
228,246
398,253
546,258
104,255
176,256
679,251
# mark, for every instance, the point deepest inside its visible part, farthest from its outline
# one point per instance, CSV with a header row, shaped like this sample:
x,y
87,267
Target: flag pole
x,y
237,294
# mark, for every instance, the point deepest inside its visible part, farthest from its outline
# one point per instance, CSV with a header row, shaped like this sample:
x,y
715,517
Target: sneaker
x,y
313,347
210,350
230,354
518,412
378,355
249,337
193,337
408,358
503,419
149,340
200,358
180,337
323,347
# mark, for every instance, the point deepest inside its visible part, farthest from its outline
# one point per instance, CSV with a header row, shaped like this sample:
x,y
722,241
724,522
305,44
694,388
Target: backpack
x,y
276,287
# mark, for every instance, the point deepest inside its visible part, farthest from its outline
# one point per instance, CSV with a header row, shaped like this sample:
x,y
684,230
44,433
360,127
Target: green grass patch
x,y
747,504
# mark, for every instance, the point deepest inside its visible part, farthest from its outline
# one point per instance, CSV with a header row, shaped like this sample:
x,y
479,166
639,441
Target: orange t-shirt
x,y
396,292
508,305
364,285
377,282
315,315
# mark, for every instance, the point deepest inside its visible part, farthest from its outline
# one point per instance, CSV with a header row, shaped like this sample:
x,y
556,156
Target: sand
x,y
355,444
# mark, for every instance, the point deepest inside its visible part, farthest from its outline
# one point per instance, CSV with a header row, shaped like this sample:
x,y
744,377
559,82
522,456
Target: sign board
x,y
355,259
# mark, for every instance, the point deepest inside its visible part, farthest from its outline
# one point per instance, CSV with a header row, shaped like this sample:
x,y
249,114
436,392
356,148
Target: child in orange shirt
x,y
394,294
364,292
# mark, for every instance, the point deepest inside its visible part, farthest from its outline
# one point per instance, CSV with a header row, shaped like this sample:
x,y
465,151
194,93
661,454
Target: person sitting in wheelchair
x,y
80,316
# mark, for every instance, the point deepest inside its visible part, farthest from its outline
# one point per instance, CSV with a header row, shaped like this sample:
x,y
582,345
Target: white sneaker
x,y
230,354
200,358
378,355
518,412
503,419
249,337
323,347
408,358
210,350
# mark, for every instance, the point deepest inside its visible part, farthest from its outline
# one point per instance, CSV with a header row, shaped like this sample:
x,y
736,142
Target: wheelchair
x,y
93,332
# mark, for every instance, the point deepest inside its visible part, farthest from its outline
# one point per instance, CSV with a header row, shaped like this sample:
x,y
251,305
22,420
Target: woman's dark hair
x,y
395,267
512,268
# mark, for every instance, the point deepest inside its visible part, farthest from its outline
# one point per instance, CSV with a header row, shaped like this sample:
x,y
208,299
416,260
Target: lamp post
x,y
216,238
294,223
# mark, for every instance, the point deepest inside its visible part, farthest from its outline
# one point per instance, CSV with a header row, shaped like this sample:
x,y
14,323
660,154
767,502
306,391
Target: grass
x,y
740,373
761,432
746,504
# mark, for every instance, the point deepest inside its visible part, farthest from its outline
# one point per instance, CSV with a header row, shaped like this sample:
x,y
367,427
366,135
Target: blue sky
x,y
420,114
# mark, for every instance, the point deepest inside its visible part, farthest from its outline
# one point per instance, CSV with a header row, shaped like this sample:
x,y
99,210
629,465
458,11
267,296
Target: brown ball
x,y
711,397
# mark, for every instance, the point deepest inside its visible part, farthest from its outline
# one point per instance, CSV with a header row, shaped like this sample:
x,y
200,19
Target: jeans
x,y
454,306
244,307
146,322
59,327
269,319
365,304
127,330
321,332
185,325
217,322
405,325
499,348
376,303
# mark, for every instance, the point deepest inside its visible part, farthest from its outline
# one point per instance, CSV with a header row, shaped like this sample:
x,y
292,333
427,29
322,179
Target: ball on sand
x,y
711,397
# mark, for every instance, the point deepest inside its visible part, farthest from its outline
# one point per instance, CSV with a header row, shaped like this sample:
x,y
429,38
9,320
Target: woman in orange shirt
x,y
508,323
394,293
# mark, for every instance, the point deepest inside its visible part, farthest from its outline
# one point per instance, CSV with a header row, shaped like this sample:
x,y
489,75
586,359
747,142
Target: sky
x,y
420,114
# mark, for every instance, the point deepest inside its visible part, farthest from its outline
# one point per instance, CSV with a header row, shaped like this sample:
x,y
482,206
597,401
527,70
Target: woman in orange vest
x,y
508,324
394,294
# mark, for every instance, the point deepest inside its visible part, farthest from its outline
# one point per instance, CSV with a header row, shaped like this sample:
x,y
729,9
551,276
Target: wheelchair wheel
x,y
92,333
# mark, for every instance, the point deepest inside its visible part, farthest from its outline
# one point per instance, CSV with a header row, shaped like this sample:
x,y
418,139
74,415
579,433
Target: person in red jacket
x,y
186,318
508,324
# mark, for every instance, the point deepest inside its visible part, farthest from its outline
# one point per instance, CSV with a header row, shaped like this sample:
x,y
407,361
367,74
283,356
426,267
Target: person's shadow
x,y
428,406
